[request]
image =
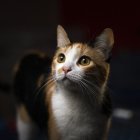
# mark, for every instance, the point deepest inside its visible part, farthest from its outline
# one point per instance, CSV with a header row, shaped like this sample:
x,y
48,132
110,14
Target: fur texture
x,y
76,97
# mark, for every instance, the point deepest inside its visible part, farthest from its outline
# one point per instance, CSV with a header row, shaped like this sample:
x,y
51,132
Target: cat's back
x,y
30,75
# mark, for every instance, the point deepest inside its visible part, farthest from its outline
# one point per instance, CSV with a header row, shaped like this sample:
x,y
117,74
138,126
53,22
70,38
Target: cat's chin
x,y
66,82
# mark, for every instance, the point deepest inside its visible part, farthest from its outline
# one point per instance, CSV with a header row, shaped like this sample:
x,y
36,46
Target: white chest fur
x,y
73,117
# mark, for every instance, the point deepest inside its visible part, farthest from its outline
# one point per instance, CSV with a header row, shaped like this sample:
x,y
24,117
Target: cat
x,y
66,96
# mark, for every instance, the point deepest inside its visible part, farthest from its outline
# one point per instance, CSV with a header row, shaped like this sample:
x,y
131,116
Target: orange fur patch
x,y
52,127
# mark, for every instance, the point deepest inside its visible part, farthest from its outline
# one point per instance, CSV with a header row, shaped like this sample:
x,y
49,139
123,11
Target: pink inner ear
x,y
62,37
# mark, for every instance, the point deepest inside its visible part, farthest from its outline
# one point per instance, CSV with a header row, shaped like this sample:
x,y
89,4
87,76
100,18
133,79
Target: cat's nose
x,y
66,69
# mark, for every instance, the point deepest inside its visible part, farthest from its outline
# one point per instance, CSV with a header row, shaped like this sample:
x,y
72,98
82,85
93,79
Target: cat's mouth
x,y
69,78
66,78
65,81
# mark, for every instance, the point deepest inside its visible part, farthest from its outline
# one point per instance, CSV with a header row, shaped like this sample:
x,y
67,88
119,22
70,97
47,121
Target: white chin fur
x,y
70,80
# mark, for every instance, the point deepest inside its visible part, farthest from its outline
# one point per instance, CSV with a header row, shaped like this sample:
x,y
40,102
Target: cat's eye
x,y
61,58
84,61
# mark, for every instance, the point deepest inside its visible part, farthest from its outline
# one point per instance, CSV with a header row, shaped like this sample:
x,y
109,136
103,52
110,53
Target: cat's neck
x,y
78,94
70,88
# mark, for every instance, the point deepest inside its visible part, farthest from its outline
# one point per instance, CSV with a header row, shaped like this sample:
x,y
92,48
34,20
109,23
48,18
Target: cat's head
x,y
81,63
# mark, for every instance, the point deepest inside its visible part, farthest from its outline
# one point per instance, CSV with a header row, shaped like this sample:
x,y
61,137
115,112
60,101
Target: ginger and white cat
x,y
73,103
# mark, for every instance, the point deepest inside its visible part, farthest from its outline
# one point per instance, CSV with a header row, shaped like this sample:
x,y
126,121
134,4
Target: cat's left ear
x,y
104,43
62,37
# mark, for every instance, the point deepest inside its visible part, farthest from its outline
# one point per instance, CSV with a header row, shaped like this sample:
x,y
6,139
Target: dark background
x,y
30,25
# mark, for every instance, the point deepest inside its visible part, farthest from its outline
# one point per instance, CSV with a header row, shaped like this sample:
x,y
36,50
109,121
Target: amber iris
x,y
84,61
61,58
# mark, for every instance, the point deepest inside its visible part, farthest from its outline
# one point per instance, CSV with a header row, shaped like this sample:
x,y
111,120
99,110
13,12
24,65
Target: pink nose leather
x,y
66,69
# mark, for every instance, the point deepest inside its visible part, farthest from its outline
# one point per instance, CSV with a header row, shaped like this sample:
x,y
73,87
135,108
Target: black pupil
x,y
61,57
84,60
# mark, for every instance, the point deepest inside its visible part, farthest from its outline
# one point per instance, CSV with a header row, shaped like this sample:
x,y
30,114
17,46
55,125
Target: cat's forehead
x,y
76,49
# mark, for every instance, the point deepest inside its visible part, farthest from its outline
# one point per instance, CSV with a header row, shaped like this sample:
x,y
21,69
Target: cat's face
x,y
78,63
72,62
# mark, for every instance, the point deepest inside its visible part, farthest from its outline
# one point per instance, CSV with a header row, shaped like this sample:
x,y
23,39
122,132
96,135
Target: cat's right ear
x,y
62,37
104,43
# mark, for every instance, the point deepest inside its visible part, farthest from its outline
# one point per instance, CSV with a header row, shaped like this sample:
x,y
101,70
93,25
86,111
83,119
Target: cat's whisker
x,y
59,77
96,88
49,81
79,82
41,88
88,88
90,97
89,83
92,93
76,78
85,85
81,88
